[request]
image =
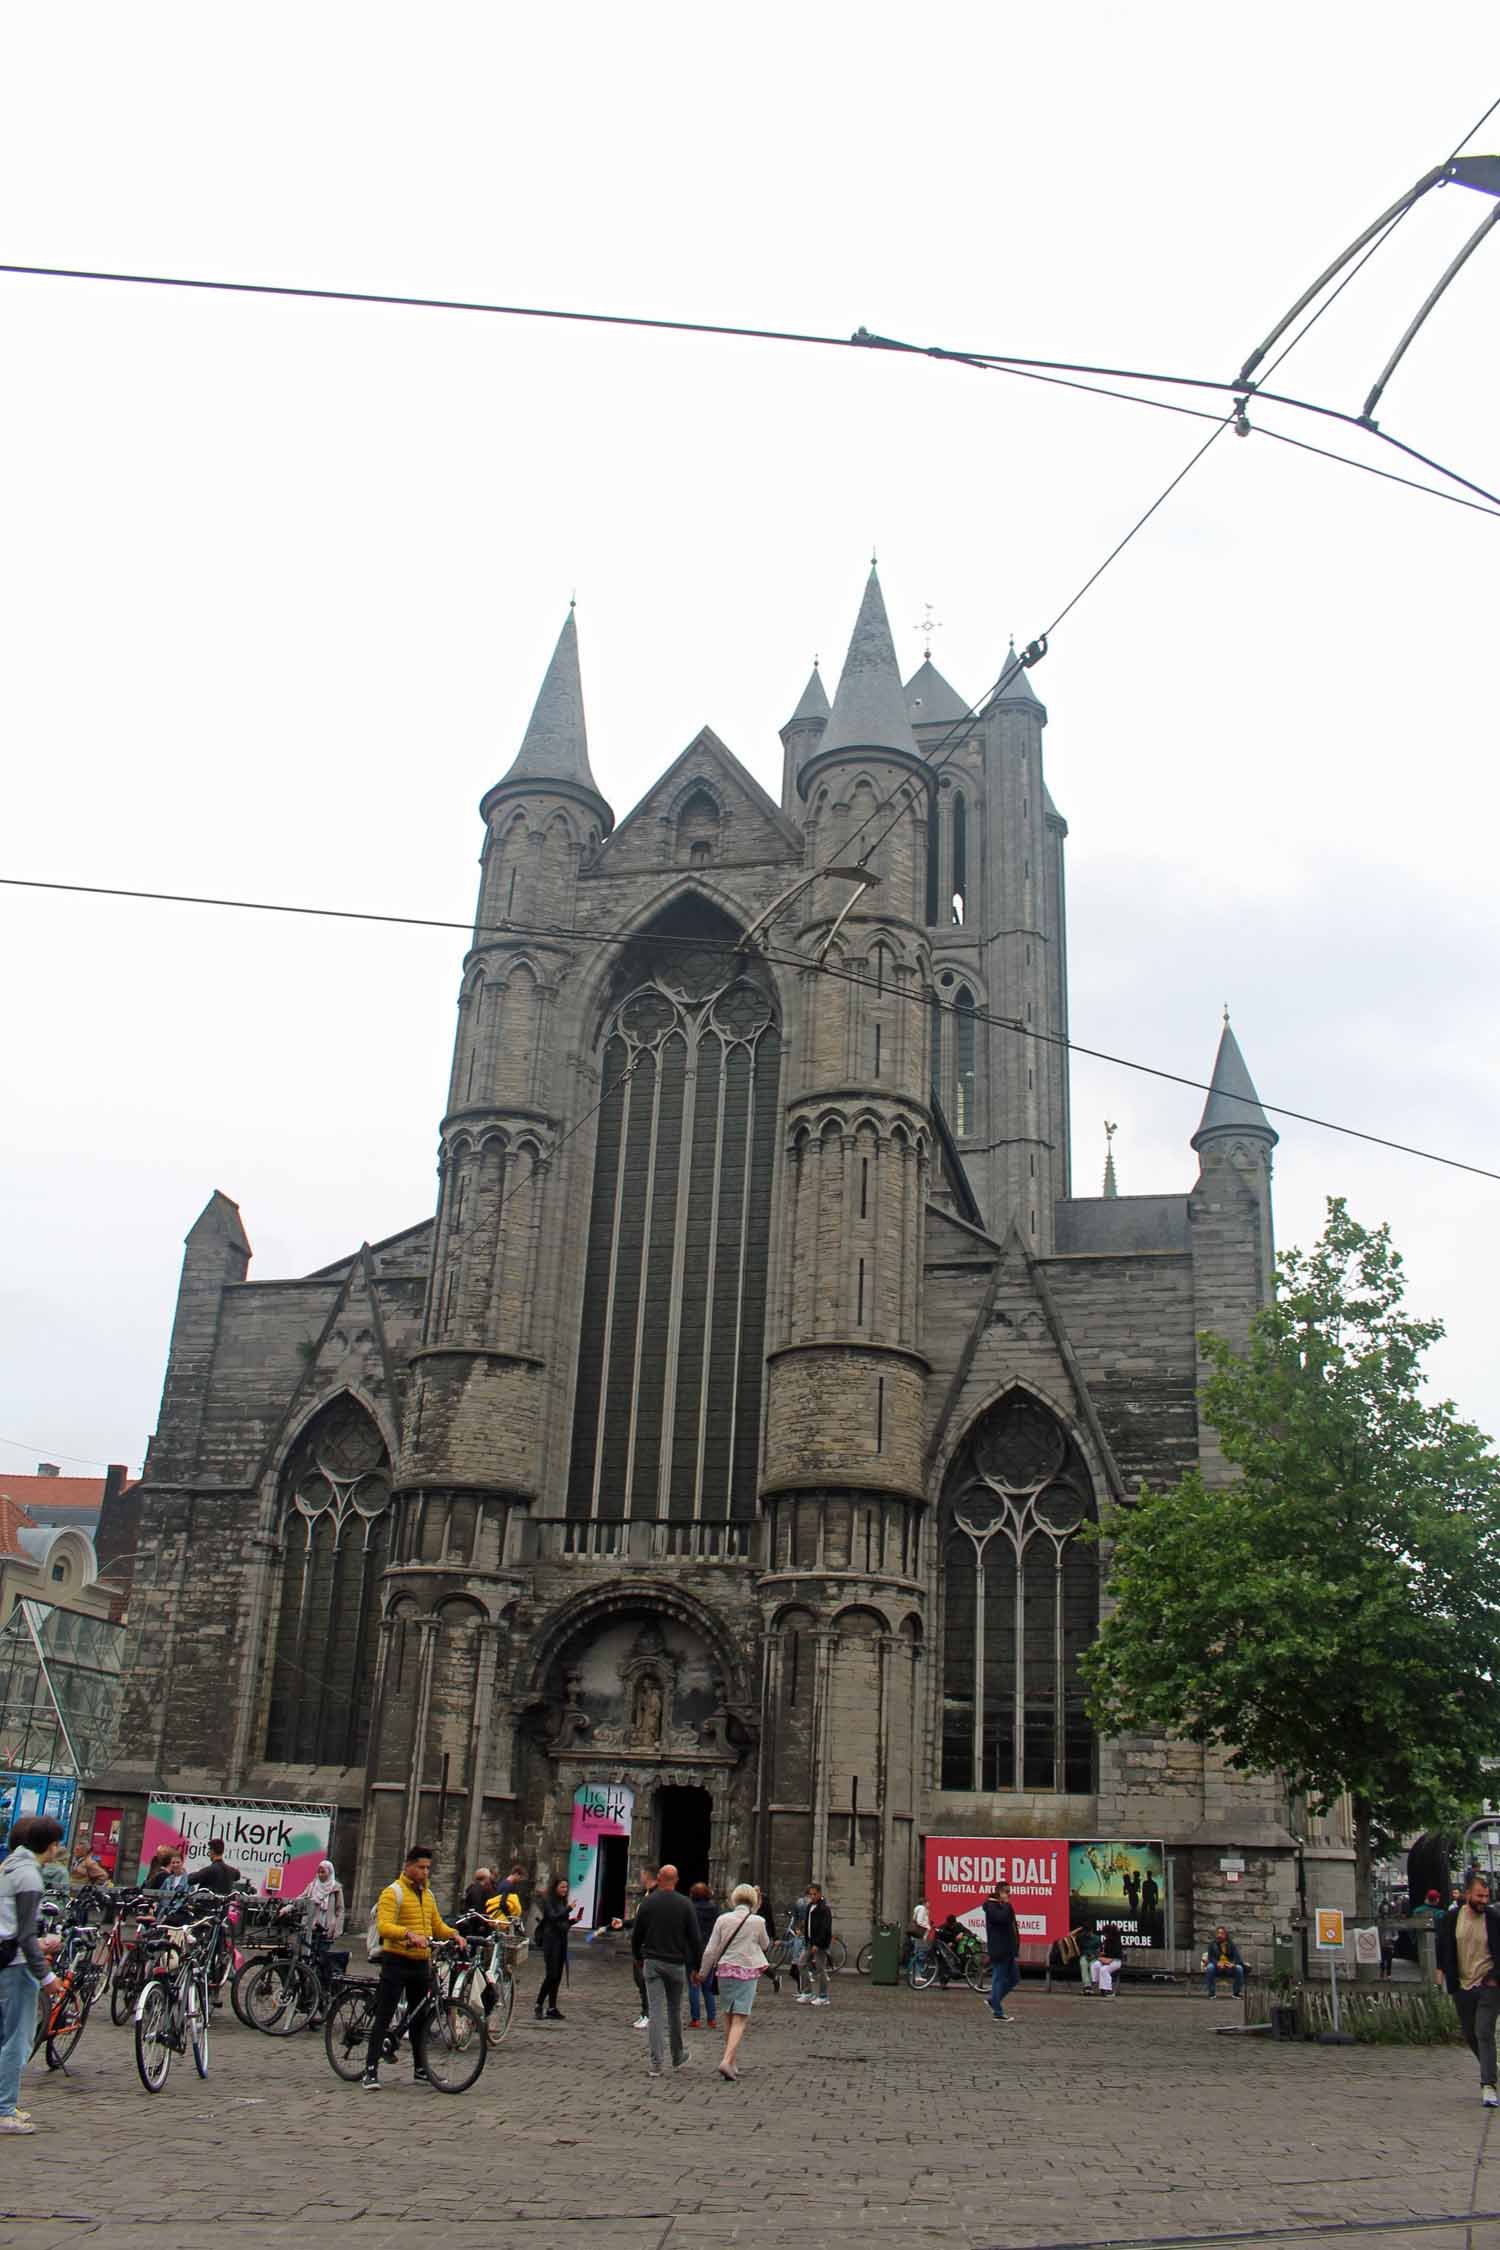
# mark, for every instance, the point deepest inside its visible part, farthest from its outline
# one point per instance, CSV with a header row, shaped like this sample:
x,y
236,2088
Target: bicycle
x,y
955,1960
864,1959
60,2025
487,1968
286,1991
454,2046
173,2010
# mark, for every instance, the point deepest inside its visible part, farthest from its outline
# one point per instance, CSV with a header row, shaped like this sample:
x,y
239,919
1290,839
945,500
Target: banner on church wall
x,y
599,1809
962,1870
1121,1886
276,1847
1055,1886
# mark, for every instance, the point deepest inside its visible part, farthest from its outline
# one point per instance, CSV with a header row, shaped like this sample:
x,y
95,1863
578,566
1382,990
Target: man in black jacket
x,y
667,1946
1468,1959
1003,1934
215,1874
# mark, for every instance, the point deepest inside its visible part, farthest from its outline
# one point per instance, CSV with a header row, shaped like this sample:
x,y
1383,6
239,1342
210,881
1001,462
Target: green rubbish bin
x,y
885,1954
1283,1955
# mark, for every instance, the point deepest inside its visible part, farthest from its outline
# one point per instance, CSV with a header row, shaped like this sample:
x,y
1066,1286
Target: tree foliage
x,y
1332,1614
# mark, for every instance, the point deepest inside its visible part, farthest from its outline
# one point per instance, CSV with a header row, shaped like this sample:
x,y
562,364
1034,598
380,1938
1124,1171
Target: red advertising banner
x,y
962,1869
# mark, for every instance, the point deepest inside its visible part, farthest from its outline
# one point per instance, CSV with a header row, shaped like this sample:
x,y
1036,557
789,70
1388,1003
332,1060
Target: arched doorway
x,y
684,1831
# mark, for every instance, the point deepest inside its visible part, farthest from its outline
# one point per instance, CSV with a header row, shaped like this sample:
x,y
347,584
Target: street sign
x,y
1367,1947
1233,1865
1330,1930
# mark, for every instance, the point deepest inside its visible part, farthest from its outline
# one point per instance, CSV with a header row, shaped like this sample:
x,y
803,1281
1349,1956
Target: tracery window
x,y
335,1527
1020,1605
671,1354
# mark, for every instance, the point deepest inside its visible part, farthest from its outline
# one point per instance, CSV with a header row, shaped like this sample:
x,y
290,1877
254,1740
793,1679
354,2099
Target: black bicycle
x,y
172,2013
454,2047
949,1961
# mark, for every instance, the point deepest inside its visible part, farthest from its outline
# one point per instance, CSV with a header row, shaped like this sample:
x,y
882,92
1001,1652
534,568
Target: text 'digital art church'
x,y
716,1454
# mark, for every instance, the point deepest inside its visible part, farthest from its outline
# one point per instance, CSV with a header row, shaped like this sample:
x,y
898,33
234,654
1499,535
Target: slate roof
x,y
555,746
930,701
1233,1105
869,710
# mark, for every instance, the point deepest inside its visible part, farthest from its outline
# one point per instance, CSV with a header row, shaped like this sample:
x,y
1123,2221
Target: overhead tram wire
x,y
928,1003
862,340
948,743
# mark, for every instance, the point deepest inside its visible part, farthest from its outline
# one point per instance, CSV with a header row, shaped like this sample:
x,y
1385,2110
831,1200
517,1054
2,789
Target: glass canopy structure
x,y
60,1679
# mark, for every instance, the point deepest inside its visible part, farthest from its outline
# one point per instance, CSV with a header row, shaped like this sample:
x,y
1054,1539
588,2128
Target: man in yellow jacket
x,y
408,1921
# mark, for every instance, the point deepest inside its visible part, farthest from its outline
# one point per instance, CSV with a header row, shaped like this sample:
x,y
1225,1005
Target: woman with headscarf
x,y
324,1900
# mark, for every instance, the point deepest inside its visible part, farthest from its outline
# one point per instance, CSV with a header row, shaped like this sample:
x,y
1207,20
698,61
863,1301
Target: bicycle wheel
x,y
153,2037
65,2027
346,2034
838,1954
776,1955
922,1973
268,1996
240,1979
976,1970
498,2021
198,2005
864,1960
453,2045
304,2000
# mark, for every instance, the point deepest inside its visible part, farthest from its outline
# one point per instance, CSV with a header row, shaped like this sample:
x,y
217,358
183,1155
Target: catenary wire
x,y
49,1453
862,339
781,959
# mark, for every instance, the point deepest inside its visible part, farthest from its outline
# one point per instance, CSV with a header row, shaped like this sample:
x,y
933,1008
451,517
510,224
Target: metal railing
x,y
641,1540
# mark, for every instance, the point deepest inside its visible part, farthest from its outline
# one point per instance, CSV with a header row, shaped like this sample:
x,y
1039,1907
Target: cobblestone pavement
x,y
887,2118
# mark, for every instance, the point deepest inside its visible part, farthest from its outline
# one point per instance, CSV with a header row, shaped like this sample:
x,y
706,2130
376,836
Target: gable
x,y
706,810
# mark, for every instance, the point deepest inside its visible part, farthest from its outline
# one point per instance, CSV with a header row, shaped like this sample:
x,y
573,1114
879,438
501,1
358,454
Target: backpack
x,y
372,1928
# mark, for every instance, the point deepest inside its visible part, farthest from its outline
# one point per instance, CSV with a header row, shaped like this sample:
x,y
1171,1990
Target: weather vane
x,y
927,627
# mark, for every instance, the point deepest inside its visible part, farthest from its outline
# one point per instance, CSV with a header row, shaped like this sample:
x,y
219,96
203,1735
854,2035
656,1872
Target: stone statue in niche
x,y
646,1717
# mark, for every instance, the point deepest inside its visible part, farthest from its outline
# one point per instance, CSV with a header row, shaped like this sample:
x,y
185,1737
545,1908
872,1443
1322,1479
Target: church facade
x,y
704,1479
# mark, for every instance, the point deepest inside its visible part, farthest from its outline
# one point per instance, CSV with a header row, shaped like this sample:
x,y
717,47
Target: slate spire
x,y
1233,1105
554,750
813,708
930,701
869,709
1017,686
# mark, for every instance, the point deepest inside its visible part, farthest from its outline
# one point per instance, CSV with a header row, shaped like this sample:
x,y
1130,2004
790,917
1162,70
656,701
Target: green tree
x,y
1333,1614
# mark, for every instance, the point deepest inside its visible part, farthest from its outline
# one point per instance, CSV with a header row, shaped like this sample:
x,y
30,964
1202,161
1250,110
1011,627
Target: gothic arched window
x,y
1020,1605
965,1083
667,1411
959,869
335,1525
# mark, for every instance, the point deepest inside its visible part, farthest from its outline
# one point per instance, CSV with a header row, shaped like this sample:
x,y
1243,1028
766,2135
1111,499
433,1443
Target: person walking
x,y
701,1899
1003,1937
1468,1962
665,1940
649,1879
407,1920
555,1917
737,1955
814,1967
27,1968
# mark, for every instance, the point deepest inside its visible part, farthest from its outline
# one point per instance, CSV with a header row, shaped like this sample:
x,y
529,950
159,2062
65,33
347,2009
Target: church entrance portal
x,y
614,1878
683,1818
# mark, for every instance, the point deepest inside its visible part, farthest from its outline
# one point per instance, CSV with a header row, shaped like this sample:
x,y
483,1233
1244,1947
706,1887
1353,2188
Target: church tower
x,y
472,1457
843,1473
1229,1218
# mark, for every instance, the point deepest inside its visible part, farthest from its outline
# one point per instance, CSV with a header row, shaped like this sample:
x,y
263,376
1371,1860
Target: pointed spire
x,y
1233,1105
813,708
1110,1187
1017,687
554,750
869,710
930,701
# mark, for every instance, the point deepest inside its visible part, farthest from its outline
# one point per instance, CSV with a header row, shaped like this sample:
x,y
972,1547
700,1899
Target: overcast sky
x,y
279,580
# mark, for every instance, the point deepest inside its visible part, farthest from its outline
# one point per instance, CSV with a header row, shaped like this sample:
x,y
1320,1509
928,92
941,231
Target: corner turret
x,y
801,735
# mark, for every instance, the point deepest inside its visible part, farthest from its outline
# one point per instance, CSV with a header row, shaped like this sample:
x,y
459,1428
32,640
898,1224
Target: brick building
x,y
710,1461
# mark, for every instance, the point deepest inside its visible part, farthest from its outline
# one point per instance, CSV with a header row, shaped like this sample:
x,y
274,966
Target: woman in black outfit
x,y
554,1920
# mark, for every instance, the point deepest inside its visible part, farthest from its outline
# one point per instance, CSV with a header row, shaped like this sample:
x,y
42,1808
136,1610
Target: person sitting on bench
x,y
1109,1961
1222,1958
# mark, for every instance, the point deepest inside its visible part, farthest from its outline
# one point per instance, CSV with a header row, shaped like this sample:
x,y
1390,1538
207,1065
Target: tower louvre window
x,y
1020,1605
859,1302
671,1354
965,1085
960,864
864,1187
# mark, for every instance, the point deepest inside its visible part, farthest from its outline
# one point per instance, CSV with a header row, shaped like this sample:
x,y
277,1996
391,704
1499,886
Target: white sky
x,y
278,581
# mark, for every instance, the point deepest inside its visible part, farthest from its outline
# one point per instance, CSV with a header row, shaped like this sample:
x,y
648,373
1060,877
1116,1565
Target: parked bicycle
x,y
950,1961
485,1977
65,2012
174,2007
288,1990
454,2047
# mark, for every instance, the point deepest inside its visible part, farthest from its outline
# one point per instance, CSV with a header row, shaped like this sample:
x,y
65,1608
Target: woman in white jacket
x,y
737,1951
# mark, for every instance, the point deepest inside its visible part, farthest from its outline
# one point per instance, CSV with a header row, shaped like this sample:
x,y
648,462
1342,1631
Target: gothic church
x,y
715,1455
